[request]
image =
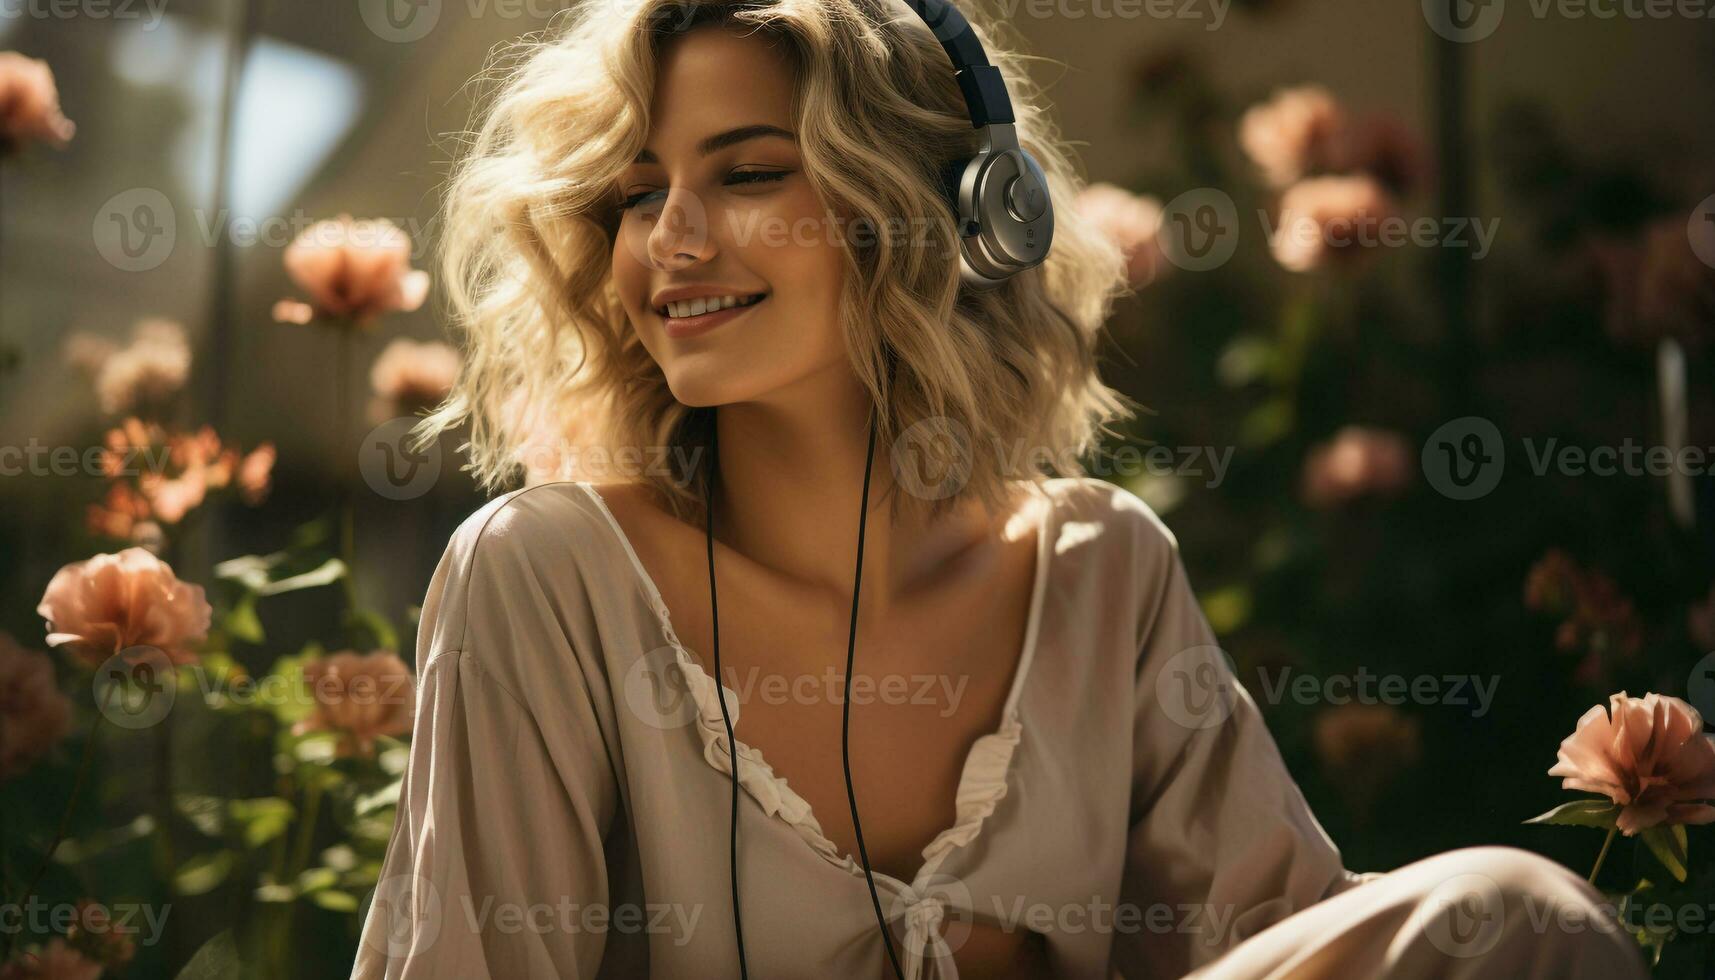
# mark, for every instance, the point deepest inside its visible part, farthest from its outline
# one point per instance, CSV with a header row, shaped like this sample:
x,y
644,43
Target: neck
x,y
791,472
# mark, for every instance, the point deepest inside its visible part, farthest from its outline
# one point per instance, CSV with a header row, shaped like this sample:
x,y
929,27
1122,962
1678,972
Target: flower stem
x,y
1599,857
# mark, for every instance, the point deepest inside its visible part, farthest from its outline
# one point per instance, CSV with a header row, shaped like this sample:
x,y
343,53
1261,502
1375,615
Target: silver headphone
x,y
999,197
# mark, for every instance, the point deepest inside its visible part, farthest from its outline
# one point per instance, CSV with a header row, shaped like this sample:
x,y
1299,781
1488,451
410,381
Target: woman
x,y
1056,771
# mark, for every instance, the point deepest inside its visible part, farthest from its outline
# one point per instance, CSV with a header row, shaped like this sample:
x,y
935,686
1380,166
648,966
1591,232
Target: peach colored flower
x,y
361,696
34,715
54,961
98,607
353,270
1596,617
119,513
1647,754
408,376
1297,132
30,103
171,498
1356,462
1363,747
88,352
147,372
1130,221
255,473
1325,218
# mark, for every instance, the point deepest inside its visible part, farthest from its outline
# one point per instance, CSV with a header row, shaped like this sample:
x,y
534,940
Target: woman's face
x,y
717,209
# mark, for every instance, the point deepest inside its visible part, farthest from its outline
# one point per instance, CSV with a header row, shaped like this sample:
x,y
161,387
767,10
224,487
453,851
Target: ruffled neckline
x,y
982,780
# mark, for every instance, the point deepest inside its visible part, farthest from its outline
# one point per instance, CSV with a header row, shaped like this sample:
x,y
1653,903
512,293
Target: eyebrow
x,y
731,137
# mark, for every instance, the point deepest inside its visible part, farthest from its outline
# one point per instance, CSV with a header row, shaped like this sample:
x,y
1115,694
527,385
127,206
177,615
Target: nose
x,y
680,235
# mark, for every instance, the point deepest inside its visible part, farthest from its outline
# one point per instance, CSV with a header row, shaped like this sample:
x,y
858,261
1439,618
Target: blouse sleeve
x,y
1222,842
496,866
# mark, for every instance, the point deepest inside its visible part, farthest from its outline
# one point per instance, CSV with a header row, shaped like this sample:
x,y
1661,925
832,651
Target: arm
x,y
500,826
1222,842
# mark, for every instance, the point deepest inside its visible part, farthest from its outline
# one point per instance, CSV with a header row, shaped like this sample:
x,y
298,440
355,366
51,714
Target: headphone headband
x,y
984,89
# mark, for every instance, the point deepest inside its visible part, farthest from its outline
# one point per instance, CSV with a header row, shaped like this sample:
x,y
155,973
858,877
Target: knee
x,y
1524,908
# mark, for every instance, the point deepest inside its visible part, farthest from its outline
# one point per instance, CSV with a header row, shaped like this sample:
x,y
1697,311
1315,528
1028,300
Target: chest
x,y
925,686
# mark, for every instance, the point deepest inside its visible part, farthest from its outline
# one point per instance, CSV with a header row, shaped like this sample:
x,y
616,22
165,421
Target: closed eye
x,y
737,177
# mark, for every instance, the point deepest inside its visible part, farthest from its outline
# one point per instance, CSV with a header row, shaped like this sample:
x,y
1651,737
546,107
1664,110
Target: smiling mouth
x,y
685,309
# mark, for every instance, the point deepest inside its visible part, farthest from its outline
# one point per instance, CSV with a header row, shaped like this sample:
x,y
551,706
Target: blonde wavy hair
x,y
529,222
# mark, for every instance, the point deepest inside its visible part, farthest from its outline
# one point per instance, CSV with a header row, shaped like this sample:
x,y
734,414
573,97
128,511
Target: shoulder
x,y
528,554
542,523
1116,513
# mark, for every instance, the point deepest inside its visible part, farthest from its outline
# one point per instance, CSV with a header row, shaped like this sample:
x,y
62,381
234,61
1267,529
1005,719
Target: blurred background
x,y
1423,296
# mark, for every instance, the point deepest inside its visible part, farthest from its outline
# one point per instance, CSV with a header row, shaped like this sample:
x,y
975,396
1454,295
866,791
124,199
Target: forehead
x,y
718,76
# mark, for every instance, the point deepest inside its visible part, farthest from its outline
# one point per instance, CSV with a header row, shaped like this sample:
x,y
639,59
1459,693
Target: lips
x,y
713,315
679,309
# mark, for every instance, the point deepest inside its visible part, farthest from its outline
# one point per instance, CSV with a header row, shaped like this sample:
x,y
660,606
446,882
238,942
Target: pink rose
x,y
34,715
1647,754
353,270
255,473
98,607
1327,218
143,374
1356,462
1131,221
55,961
361,696
410,375
1294,134
30,103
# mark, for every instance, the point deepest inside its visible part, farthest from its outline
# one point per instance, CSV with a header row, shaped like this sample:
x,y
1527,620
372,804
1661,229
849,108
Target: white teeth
x,y
706,304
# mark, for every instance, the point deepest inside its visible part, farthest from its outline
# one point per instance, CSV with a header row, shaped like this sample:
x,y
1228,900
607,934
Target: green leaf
x,y
79,849
385,796
256,573
335,900
216,960
1227,609
204,812
262,819
1265,424
316,879
372,630
1593,812
202,873
287,676
1670,847
242,622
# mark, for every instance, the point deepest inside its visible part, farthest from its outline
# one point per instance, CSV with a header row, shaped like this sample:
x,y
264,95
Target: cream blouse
x,y
565,809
